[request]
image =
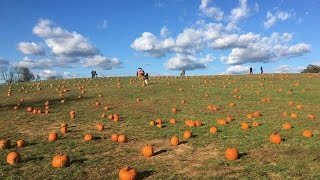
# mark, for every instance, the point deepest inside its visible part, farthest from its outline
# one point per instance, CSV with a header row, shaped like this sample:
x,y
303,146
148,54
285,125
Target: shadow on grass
x,y
144,174
96,138
160,152
243,154
34,159
78,161
183,142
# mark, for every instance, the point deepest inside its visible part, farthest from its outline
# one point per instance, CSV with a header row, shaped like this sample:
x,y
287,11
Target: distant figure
x,y
183,73
140,73
146,79
261,70
251,70
94,74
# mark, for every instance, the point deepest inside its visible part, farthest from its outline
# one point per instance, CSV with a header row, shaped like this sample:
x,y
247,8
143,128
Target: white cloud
x,y
47,73
212,12
30,48
188,62
164,32
289,69
237,14
62,42
238,69
272,18
101,62
36,64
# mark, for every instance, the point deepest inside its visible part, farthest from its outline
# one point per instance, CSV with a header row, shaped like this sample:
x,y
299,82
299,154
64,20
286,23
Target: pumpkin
x,y
13,158
275,138
187,134
158,121
307,133
228,118
231,154
311,117
88,137
294,115
114,137
197,123
255,124
250,116
106,108
299,106
47,103
174,110
127,173
21,143
256,114
173,121
284,113
72,114
152,123
213,130
116,117
100,126
159,126
4,143
231,104
110,116
29,109
147,151
286,126
244,125
174,141
98,103
291,103
64,129
122,138
221,121
61,160
53,136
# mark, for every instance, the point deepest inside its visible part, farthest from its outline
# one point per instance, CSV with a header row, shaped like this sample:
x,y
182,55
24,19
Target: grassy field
x,y
201,157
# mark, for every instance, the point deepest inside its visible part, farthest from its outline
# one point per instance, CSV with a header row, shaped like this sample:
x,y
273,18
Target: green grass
x,y
202,157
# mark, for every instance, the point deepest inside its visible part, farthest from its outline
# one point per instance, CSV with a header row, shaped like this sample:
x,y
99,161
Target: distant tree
x,y
24,74
311,69
8,74
53,77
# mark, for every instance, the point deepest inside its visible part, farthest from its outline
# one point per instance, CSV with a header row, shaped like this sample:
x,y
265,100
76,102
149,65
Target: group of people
x,y
261,70
142,75
94,74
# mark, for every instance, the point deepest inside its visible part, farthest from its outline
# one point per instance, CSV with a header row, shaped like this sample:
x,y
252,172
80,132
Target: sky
x,y
115,37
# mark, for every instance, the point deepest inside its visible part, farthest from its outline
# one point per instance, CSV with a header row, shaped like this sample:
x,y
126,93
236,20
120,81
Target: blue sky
x,y
69,38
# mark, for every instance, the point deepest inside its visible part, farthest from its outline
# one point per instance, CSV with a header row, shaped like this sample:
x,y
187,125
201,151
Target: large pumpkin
x,y
53,136
174,141
61,160
147,151
275,138
122,138
13,158
127,173
231,154
307,133
187,134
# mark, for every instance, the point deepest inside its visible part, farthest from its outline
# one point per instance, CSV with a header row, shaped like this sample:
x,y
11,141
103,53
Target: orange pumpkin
x,y
284,113
147,151
307,133
122,138
174,141
99,126
174,110
53,136
221,121
213,130
294,115
88,137
275,138
60,160
187,134
244,125
311,117
228,118
152,123
231,154
13,158
231,104
116,117
21,143
197,123
256,114
173,121
127,173
286,126
158,121
4,143
114,137
255,124
250,116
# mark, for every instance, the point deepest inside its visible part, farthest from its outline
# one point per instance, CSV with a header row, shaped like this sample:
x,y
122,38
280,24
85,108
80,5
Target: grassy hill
x,y
201,157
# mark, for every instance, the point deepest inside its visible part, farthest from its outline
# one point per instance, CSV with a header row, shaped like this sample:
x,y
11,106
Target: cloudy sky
x,y
115,37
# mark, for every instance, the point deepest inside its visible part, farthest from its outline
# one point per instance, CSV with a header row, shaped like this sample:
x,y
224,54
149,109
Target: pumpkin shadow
x,y
243,154
32,144
144,174
183,142
78,161
96,138
160,152
34,159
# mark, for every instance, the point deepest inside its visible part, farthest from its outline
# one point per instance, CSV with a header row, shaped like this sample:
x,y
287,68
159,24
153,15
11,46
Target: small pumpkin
x,y
88,137
114,137
13,158
127,173
159,126
221,121
250,116
197,123
174,110
256,114
4,143
286,126
152,123
122,138
231,104
60,160
311,117
294,115
99,126
255,124
307,133
21,143
64,129
213,130
158,121
53,136
173,121
147,150
244,125
174,141
285,113
231,154
229,118
116,117
275,138
187,134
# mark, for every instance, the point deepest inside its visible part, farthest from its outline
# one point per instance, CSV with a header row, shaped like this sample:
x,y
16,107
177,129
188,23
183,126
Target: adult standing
x,y
140,73
251,72
261,69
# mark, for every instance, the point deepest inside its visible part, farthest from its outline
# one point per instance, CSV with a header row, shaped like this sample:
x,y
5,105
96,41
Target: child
x,y
146,78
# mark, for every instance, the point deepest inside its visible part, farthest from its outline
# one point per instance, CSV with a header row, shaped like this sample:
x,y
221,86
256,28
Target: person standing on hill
x,y
146,79
261,70
140,73
251,70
